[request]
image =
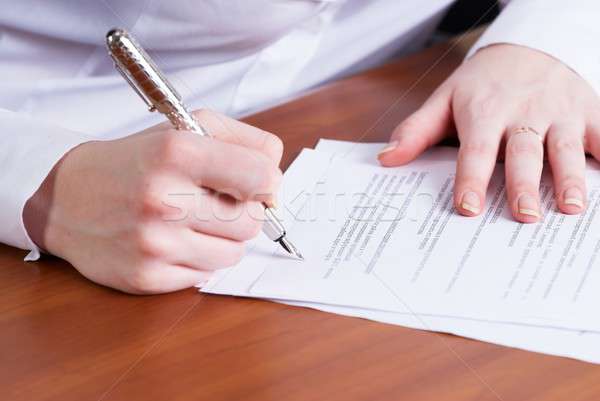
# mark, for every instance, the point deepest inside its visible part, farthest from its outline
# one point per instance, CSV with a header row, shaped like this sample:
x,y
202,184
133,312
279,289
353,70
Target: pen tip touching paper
x,y
290,248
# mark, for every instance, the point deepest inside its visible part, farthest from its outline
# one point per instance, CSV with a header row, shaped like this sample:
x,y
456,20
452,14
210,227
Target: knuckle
x,y
484,107
146,244
478,146
156,199
143,280
566,144
273,145
150,200
468,180
517,147
572,180
520,186
173,146
527,106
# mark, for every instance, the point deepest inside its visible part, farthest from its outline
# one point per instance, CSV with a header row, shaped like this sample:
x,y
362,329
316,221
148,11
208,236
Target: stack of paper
x,y
385,244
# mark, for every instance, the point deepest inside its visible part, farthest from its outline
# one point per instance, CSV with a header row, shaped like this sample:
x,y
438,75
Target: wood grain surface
x,y
65,338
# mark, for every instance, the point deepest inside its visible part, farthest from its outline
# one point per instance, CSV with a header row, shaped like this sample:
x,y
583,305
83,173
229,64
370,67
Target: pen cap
x,y
140,71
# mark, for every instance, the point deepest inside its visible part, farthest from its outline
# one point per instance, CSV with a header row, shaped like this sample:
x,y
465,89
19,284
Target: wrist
x,y
41,209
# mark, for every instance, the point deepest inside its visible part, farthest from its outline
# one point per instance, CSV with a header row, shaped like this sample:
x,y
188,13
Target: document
x,y
385,244
580,345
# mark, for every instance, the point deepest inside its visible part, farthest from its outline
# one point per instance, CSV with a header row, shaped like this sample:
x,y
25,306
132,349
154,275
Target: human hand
x,y
159,210
487,99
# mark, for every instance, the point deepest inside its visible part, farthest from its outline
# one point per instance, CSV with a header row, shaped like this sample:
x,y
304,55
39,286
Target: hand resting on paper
x,y
510,102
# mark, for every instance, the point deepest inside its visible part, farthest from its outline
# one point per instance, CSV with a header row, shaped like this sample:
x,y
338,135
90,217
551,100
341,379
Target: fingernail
x,y
391,146
470,202
573,196
528,205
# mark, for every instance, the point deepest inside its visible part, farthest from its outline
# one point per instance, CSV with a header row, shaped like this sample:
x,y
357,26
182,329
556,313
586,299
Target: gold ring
x,y
528,130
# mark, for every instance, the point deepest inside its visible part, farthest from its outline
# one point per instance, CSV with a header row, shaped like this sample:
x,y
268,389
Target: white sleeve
x,y
568,31
28,151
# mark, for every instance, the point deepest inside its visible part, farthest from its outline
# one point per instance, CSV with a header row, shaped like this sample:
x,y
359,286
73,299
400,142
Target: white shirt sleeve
x,y
567,31
28,151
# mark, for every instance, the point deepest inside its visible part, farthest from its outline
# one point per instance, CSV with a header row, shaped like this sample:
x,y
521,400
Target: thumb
x,y
422,129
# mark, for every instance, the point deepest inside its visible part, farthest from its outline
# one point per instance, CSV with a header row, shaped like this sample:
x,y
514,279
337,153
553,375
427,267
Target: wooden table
x,y
65,338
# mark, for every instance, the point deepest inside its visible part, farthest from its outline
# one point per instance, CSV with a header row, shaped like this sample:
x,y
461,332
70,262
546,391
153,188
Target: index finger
x,y
227,129
232,131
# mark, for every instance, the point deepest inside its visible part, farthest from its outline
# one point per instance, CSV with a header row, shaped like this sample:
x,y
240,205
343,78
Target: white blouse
x,y
58,87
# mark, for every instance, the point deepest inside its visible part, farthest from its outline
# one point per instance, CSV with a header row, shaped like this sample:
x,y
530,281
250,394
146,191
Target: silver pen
x,y
149,83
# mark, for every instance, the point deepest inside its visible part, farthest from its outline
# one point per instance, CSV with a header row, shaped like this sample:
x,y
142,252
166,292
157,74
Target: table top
x,y
65,338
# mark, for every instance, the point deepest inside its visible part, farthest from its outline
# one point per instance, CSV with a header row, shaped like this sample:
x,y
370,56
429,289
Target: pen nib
x,y
290,248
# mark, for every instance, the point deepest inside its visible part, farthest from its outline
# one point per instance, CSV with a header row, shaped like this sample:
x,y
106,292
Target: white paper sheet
x,y
580,345
561,342
392,235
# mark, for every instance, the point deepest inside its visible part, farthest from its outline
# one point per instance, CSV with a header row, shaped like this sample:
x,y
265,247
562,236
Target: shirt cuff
x,y
29,149
564,31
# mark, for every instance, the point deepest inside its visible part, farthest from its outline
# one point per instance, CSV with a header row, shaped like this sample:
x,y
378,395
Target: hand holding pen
x,y
140,71
161,209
